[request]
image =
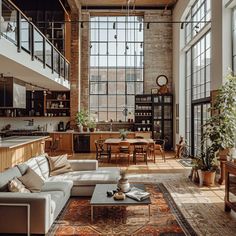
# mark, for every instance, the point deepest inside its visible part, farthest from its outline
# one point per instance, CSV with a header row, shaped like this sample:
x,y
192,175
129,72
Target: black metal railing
x,y
19,30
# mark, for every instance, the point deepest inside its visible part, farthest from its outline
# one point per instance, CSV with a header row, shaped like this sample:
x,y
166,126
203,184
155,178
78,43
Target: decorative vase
x,y
123,183
80,128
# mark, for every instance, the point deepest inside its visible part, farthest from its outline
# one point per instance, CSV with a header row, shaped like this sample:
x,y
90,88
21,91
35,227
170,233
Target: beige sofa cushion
x,y
32,181
15,185
59,165
102,175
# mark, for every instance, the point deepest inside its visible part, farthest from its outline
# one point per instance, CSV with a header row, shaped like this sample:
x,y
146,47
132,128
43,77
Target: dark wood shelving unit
x,y
154,112
162,118
40,104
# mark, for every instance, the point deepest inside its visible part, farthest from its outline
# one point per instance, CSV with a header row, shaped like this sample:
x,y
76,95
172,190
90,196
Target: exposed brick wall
x,y
157,48
85,62
74,67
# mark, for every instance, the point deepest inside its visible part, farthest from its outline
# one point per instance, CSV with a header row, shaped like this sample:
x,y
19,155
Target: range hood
x,y
12,93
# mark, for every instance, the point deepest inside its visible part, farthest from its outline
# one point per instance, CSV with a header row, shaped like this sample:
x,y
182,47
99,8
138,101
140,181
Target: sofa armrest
x,y
78,165
40,211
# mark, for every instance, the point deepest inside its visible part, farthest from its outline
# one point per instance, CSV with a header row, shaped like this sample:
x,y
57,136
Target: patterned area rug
x,y
166,218
186,162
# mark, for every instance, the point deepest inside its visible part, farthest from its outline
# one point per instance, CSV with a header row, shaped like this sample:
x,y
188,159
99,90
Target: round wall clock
x,y
161,80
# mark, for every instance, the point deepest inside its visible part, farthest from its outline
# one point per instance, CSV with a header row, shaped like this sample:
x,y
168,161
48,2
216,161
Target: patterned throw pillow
x,y
15,185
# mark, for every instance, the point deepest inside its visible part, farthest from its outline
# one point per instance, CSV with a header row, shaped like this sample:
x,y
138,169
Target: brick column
x,y
74,67
85,41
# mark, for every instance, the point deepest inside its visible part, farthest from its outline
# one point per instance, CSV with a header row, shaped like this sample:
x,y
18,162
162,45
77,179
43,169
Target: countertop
x,y
15,141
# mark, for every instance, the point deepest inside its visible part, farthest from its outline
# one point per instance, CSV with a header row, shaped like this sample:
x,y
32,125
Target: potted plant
x,y
219,130
123,134
91,125
82,119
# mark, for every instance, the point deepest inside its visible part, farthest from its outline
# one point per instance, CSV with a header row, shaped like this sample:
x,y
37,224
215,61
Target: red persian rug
x,y
166,218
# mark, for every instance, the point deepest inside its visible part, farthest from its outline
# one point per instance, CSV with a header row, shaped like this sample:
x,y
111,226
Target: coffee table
x,y
100,198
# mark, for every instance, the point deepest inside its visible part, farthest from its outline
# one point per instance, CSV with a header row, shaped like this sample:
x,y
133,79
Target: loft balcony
x,y
25,53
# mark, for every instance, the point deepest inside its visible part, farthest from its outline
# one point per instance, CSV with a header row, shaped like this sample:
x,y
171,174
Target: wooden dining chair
x,y
140,150
124,150
102,150
159,146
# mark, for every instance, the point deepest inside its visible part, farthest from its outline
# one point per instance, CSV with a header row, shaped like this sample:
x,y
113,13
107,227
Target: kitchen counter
x,y
17,149
15,141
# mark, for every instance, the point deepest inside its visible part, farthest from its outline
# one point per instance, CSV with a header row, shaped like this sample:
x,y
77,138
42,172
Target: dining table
x,y
132,141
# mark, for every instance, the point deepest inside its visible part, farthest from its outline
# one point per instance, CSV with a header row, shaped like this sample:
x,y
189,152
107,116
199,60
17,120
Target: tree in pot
x,y
220,128
82,119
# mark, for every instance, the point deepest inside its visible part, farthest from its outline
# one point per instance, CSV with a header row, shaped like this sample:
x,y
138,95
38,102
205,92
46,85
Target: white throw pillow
x,y
33,164
15,185
43,165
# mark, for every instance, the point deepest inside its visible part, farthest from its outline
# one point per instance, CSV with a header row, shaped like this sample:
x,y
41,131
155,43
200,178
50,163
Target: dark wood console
x,y
230,186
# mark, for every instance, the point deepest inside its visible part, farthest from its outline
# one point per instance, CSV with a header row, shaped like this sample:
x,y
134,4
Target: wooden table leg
x,y
149,212
91,214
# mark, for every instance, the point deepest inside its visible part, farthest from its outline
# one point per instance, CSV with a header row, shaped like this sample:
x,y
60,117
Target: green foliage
x,y
123,133
220,129
82,117
91,123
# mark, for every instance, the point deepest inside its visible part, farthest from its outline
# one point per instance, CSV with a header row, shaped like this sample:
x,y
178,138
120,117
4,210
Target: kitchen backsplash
x,y
46,124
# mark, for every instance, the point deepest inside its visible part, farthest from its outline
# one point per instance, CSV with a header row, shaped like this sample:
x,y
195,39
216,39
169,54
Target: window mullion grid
x,y
98,69
107,69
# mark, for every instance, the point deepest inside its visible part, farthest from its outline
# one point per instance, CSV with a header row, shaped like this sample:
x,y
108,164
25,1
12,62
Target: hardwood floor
x,y
171,165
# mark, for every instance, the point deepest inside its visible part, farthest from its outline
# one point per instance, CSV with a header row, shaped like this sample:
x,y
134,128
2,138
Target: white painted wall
x,y
21,123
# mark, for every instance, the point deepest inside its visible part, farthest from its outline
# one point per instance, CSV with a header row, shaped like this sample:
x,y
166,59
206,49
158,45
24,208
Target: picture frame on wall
x,y
154,91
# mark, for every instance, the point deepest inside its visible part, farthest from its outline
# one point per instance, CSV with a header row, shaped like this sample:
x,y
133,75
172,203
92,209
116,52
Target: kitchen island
x,y
17,149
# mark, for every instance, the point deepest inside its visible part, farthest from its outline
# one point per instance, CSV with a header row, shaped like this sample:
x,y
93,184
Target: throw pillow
x,y
16,186
32,181
59,165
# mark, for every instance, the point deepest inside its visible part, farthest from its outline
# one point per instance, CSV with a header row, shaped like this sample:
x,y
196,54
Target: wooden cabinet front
x,y
230,186
65,141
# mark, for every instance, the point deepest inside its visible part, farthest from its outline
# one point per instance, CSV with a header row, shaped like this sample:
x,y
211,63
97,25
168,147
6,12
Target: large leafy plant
x,y
82,117
220,128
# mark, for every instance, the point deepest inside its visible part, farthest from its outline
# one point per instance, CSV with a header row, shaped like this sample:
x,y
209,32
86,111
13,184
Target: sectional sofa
x,y
45,206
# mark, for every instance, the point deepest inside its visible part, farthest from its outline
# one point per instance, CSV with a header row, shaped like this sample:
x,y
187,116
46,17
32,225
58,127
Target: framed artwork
x,y
154,91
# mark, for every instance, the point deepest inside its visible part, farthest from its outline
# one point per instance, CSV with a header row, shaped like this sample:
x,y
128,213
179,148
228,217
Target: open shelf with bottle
x,y
58,103
143,112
